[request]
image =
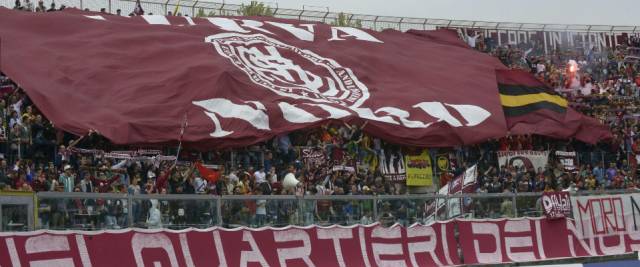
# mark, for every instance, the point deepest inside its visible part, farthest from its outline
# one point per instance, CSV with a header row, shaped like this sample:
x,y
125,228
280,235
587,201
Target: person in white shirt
x,y
154,221
471,40
260,175
233,177
261,209
273,177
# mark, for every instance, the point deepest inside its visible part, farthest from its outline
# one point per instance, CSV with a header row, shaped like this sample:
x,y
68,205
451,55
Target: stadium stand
x,y
603,84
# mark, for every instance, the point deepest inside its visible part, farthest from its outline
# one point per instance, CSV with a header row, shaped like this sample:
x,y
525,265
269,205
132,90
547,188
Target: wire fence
x,y
320,14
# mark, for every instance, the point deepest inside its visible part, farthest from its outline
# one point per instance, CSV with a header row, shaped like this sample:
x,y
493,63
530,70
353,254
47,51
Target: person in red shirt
x,y
161,182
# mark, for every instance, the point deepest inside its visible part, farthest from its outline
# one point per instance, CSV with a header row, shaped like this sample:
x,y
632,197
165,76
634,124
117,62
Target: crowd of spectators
x,y
38,157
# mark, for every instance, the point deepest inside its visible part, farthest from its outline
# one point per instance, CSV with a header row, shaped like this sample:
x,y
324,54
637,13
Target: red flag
x,y
207,174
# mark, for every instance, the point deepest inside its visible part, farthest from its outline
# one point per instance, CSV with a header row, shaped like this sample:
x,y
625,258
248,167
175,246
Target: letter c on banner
x,y
487,229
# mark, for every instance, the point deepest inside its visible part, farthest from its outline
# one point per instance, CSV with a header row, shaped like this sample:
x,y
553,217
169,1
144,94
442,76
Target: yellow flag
x,y
419,171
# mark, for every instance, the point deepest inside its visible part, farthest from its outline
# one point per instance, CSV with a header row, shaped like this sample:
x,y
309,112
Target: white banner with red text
x,y
478,241
527,159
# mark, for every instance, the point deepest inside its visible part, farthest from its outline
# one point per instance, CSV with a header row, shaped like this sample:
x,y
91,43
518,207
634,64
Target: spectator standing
x,y
67,179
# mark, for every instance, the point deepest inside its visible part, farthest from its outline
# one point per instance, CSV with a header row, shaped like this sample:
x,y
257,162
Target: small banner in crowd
x,y
392,166
419,171
442,161
313,156
556,204
463,183
568,160
531,160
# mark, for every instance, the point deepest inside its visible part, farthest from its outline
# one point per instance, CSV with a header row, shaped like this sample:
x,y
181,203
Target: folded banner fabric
x,y
530,107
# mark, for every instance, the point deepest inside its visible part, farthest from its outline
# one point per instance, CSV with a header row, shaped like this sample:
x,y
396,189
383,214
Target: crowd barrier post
x,y
130,210
375,207
515,204
218,211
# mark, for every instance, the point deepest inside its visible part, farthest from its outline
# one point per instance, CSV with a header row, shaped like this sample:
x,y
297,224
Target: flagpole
x,y
184,125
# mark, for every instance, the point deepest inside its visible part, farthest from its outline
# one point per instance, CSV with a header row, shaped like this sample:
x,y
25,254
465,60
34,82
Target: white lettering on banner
x,y
574,234
380,249
232,25
474,115
13,252
227,109
217,241
363,247
227,24
445,245
541,252
437,110
351,32
43,244
157,240
184,245
255,255
254,25
519,242
335,234
404,117
302,34
296,115
482,242
335,113
280,68
303,252
487,229
82,250
48,243
550,40
428,247
614,249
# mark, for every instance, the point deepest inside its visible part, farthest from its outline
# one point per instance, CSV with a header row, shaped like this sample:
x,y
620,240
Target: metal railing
x,y
93,211
321,14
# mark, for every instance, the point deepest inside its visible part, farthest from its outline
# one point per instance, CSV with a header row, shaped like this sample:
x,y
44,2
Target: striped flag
x,y
530,107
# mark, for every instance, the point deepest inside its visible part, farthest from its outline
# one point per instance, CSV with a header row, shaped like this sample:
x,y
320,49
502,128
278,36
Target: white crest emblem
x,y
291,71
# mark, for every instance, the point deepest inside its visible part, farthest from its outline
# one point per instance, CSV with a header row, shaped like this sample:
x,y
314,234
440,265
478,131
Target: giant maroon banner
x,y
439,244
241,80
